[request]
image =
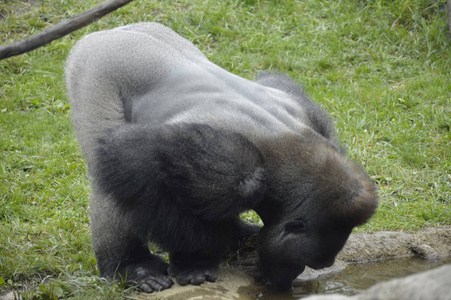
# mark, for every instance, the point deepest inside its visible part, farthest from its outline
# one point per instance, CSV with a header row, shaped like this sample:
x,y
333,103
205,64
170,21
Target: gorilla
x,y
176,148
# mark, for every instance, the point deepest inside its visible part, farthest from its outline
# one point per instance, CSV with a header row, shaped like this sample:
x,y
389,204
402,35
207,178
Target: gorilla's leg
x,y
143,269
120,246
196,267
198,246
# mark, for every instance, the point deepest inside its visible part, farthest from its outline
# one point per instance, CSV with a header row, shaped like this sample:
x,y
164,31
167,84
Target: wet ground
x,y
355,278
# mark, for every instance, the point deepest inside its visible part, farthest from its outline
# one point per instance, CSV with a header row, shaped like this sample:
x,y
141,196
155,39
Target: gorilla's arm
x,y
164,177
211,173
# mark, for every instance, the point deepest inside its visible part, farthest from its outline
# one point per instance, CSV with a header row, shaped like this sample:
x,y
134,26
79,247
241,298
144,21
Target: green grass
x,y
381,68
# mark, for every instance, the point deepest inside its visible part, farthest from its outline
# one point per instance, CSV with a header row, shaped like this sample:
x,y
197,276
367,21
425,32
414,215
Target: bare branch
x,y
448,10
61,29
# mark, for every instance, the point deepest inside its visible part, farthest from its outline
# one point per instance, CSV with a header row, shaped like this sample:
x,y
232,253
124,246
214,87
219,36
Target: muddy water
x,y
355,278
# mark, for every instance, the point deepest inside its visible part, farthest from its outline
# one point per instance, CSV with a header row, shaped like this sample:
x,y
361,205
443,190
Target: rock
x,y
438,239
13,295
433,284
311,274
331,297
363,247
426,252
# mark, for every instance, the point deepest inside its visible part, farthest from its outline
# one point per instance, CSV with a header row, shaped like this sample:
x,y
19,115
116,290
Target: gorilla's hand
x,y
191,275
147,278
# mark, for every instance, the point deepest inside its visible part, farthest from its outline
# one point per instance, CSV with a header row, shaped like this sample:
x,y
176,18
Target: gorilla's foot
x,y
147,278
192,275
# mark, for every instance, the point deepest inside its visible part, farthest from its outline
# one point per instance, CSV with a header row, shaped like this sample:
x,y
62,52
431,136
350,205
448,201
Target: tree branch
x,y
448,11
61,29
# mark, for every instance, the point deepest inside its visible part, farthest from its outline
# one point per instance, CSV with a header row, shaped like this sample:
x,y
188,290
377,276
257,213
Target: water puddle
x,y
355,278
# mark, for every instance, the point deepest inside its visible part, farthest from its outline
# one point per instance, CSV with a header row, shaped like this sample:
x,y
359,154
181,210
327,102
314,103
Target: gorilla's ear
x,y
361,199
211,172
364,205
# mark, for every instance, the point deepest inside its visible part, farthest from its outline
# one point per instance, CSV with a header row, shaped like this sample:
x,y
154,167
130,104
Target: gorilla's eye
x,y
296,226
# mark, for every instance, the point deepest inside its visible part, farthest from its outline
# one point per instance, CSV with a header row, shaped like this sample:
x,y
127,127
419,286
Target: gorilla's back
x,y
146,73
205,93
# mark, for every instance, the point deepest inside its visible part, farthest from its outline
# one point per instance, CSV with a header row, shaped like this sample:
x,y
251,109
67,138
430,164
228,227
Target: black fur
x,y
207,172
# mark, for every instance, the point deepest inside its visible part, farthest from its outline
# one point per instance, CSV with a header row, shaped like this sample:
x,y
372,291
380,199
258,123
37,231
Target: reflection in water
x,y
355,278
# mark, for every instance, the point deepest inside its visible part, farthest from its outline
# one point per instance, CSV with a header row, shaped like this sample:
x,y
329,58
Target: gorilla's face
x,y
314,197
286,247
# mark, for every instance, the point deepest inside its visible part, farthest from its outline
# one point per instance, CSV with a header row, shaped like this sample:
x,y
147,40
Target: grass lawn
x,y
381,68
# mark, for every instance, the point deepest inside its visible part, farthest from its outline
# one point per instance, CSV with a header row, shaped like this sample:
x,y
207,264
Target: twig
x,y
448,10
61,29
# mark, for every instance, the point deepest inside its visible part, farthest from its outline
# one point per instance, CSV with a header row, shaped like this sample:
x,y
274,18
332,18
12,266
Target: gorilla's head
x,y
315,197
286,247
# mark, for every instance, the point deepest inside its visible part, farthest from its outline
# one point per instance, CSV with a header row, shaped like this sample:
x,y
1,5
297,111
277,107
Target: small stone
x,y
426,252
311,274
13,295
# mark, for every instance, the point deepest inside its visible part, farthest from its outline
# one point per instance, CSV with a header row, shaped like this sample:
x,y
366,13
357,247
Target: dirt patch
x,y
238,279
432,243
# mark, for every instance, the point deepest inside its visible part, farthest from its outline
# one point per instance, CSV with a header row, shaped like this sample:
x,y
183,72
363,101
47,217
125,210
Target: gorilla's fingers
x,y
155,286
198,278
157,283
183,279
211,275
164,281
194,277
145,288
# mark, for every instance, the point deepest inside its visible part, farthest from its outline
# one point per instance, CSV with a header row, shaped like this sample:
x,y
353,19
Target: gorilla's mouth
x,y
321,264
282,279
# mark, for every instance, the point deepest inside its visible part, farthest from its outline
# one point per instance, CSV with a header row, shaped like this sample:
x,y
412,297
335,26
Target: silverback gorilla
x,y
177,148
